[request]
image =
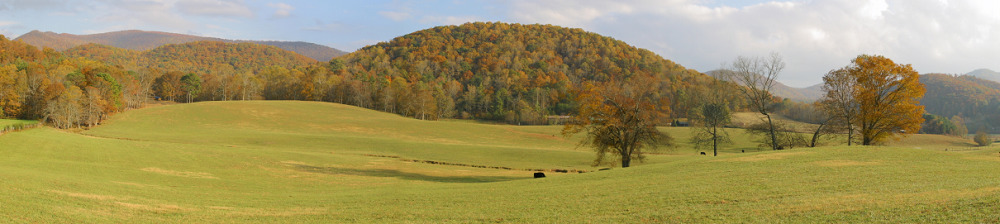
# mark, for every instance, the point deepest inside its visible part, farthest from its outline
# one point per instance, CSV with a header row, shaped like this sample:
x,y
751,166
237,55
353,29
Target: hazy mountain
x,y
147,40
808,94
985,74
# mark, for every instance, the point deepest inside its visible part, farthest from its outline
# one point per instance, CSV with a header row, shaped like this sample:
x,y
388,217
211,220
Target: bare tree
x,y
839,100
757,74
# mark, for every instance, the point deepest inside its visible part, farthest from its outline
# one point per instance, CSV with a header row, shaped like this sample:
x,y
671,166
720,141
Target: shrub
x,y
983,139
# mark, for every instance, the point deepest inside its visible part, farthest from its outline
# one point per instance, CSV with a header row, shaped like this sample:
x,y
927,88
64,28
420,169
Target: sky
x,y
813,36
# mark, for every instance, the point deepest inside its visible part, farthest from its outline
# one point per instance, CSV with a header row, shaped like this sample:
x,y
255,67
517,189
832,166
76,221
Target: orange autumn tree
x,y
620,119
887,95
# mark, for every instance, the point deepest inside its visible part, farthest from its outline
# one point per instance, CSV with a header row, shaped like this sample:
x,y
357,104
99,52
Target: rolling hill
x,y
808,94
199,56
264,162
972,98
518,73
147,40
985,74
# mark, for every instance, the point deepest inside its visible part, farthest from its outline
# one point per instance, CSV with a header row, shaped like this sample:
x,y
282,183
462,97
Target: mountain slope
x,y
505,71
985,74
975,99
808,94
199,56
147,40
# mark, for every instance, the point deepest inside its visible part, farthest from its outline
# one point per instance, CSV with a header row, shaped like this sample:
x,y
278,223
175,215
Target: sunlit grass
x,y
295,162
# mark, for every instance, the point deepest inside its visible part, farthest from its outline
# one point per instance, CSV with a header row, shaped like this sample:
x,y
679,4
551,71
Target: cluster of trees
x,y
976,100
511,73
66,92
934,124
508,72
874,96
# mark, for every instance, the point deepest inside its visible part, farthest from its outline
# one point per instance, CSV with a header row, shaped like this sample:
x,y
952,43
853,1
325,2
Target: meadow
x,y
312,162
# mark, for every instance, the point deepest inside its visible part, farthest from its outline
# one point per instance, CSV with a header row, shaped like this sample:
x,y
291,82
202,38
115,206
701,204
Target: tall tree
x,y
711,132
191,85
887,95
619,118
839,102
757,74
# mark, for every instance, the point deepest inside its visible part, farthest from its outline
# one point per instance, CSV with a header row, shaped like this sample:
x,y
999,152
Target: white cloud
x,y
141,14
814,36
7,23
395,16
448,20
221,8
281,10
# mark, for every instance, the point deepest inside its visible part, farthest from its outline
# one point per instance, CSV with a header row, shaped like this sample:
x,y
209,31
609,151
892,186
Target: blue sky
x,y
814,36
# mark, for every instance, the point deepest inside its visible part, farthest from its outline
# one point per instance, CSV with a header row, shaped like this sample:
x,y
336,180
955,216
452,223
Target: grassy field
x,y
7,122
295,162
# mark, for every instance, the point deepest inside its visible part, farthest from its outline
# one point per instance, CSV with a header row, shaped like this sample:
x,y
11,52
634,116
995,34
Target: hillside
x,y
200,56
261,161
973,98
985,74
808,94
513,72
207,56
146,40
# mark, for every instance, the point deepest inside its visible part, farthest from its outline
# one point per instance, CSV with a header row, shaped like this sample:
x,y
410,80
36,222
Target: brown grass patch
x,y
762,157
839,163
153,208
133,184
87,196
991,157
279,212
534,135
180,173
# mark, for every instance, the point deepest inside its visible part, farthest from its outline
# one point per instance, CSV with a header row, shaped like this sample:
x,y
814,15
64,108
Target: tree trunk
x,y
850,133
715,141
816,134
774,138
626,158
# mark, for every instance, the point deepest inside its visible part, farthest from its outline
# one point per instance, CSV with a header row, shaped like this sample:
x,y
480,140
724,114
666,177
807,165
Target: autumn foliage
x,y
619,119
886,95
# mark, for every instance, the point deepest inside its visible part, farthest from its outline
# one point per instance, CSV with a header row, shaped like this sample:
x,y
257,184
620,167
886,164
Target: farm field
x,y
311,162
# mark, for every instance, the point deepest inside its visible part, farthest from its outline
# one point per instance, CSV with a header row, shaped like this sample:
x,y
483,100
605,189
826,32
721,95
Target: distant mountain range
x,y
986,74
808,94
147,40
814,92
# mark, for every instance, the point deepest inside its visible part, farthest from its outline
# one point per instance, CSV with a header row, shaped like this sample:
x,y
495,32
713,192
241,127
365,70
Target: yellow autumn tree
x,y
887,95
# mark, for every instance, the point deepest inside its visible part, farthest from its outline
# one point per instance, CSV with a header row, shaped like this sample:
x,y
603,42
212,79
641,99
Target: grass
x,y
295,162
8,122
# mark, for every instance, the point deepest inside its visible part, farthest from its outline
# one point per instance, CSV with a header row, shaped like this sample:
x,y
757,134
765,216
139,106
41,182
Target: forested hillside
x,y
509,72
974,99
147,40
502,72
201,57
65,92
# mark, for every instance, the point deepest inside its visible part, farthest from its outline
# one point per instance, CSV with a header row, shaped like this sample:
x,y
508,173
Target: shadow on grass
x,y
406,175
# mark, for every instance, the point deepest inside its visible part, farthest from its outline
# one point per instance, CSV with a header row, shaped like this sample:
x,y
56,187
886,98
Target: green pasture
x,y
311,162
